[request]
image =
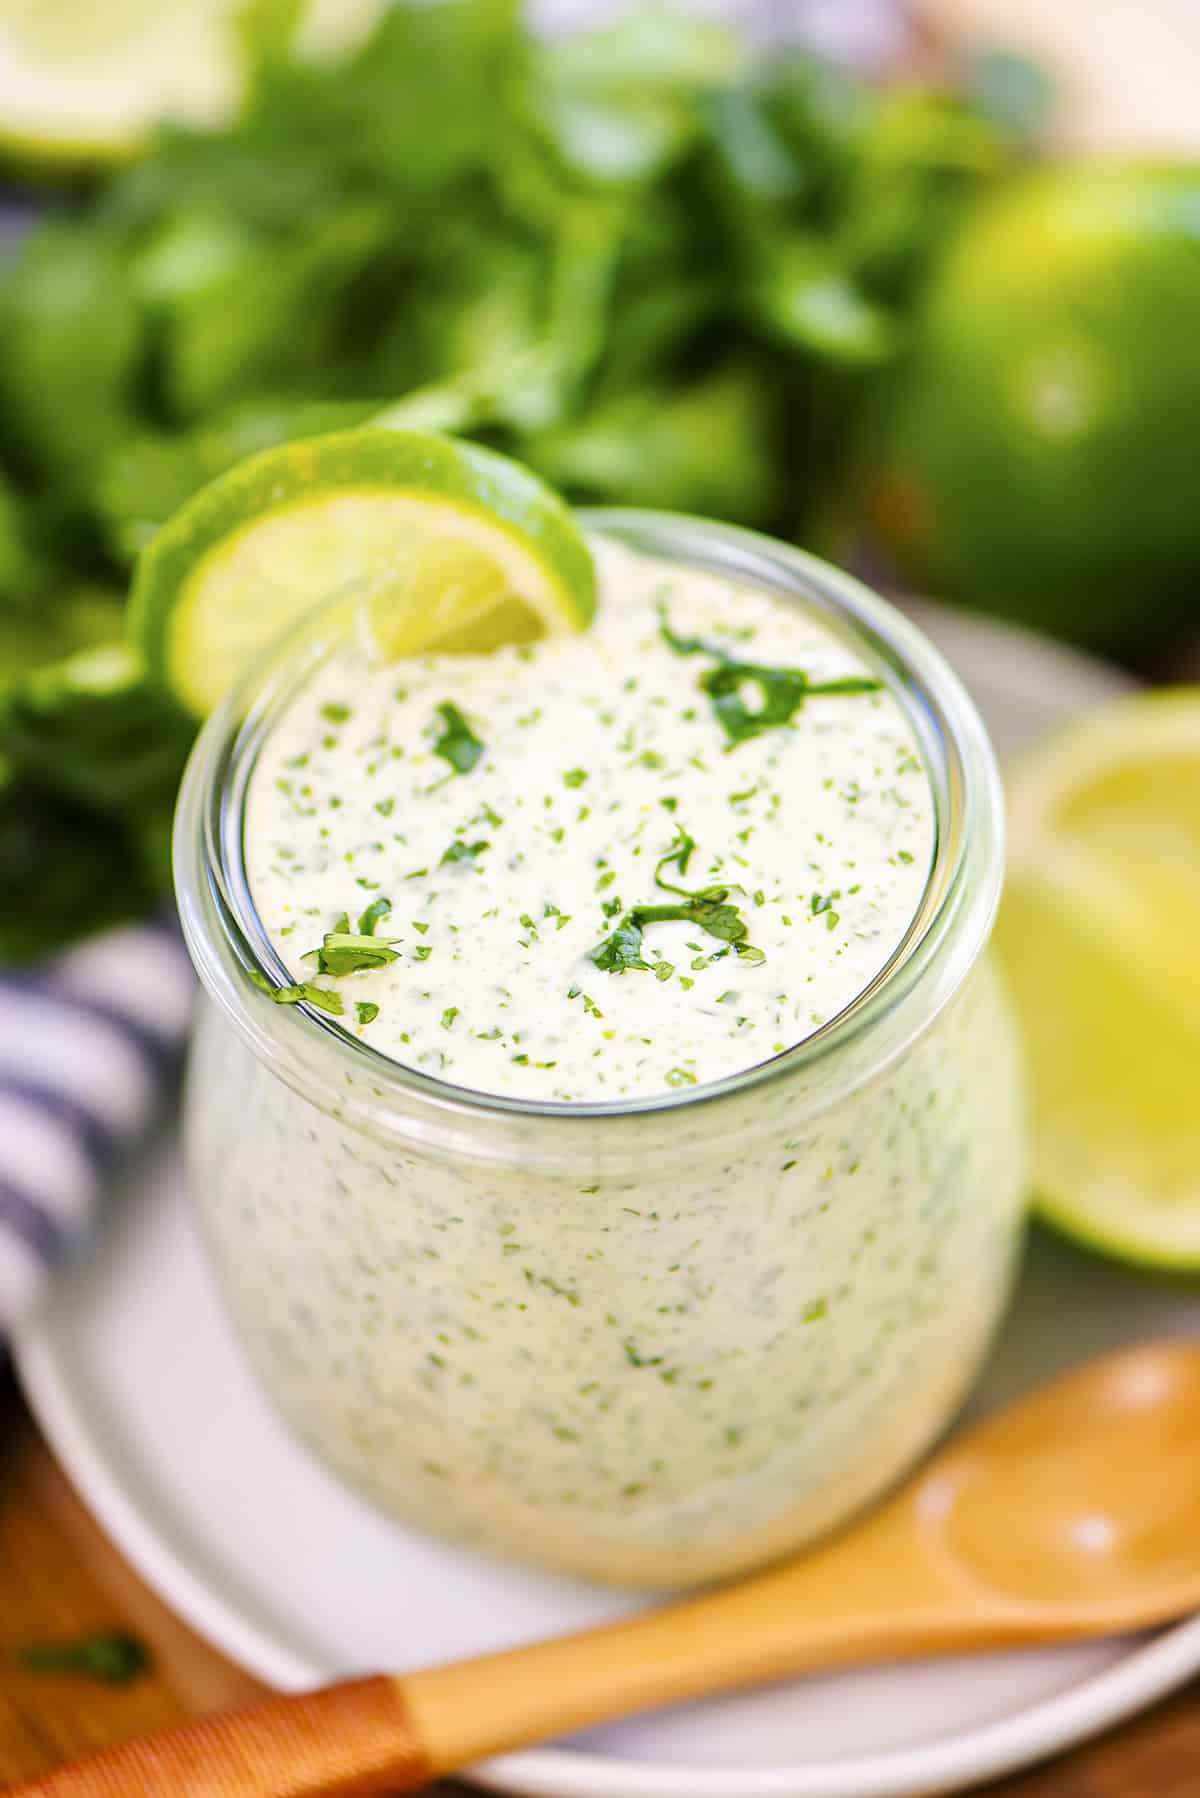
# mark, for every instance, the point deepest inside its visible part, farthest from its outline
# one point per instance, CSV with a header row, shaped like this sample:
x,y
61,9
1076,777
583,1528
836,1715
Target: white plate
x,y
137,1382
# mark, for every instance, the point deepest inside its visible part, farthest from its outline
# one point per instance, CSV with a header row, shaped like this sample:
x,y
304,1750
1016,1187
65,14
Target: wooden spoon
x,y
1075,1512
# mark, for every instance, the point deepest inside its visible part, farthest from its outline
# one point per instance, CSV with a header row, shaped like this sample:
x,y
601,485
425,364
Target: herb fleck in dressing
x,y
601,866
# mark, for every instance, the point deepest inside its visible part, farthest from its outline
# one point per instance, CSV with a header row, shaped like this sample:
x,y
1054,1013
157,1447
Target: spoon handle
x,y
352,1740
853,1600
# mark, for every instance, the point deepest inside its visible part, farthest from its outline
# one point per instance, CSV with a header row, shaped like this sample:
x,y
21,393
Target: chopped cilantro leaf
x,y
114,1657
343,952
463,852
322,998
367,1013
708,907
748,698
458,743
684,646
375,912
301,992
621,950
782,690
678,855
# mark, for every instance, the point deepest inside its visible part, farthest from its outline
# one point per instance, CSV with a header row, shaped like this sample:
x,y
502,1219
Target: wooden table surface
x,y
60,1577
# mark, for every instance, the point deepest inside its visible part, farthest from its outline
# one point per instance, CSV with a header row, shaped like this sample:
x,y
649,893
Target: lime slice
x,y
441,544
83,84
1099,933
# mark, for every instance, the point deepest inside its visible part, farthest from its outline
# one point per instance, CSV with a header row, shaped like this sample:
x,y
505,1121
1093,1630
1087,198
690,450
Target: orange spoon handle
x,y
353,1740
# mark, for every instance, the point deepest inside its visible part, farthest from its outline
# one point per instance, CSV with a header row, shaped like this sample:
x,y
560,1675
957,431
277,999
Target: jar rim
x,y
949,929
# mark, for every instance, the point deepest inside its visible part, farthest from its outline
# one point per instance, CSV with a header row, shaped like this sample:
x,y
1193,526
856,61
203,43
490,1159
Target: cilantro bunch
x,y
659,271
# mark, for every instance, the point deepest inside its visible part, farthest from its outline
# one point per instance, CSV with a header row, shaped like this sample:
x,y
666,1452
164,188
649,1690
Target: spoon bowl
x,y
1073,1512
1085,1494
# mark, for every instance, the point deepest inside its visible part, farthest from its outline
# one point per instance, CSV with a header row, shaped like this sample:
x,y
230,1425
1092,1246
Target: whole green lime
x,y
1039,454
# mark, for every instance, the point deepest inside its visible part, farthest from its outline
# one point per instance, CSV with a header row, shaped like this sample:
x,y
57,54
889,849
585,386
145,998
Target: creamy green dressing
x,y
652,1344
512,823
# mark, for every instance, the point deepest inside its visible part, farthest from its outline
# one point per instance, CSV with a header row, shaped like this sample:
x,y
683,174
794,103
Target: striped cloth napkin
x,y
89,1051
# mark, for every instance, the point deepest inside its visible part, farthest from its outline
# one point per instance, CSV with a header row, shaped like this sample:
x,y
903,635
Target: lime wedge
x,y
441,545
1099,933
84,83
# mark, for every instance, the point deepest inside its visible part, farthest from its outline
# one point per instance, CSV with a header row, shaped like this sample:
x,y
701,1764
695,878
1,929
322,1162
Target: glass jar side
x,y
657,1379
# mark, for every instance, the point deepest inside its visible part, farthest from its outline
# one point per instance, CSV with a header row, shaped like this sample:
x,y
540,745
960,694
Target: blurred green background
x,y
876,313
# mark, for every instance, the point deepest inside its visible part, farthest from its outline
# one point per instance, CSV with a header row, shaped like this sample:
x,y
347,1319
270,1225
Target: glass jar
x,y
653,1342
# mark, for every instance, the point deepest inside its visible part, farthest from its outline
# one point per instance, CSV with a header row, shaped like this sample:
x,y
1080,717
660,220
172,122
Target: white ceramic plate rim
x,y
1147,1673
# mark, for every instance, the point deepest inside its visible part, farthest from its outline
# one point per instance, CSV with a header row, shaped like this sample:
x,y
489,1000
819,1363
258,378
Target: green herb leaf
x,y
115,1657
708,908
302,992
748,698
367,1013
374,914
678,855
462,852
342,952
458,743
322,998
782,690
621,950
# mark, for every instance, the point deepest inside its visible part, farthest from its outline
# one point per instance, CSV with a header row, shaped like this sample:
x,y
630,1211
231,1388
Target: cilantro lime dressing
x,y
599,866
658,1344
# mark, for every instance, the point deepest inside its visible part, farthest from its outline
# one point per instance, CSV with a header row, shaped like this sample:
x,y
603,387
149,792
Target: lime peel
x,y
1098,935
448,545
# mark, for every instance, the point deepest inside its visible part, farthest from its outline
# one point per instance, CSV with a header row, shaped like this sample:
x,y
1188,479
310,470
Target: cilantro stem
x,y
748,698
708,908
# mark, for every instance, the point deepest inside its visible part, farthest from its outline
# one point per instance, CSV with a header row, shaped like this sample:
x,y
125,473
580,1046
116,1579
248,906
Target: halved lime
x,y
1099,933
84,83
444,546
